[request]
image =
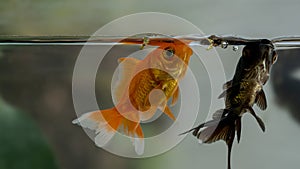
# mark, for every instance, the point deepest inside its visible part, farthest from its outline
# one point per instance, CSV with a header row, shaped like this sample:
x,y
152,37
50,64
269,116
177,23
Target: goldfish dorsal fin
x,y
124,74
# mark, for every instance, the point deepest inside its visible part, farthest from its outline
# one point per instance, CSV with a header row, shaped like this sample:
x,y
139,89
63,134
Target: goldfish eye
x,y
274,58
168,52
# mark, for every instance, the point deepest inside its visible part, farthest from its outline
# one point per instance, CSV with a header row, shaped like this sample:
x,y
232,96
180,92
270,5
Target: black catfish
x,y
240,93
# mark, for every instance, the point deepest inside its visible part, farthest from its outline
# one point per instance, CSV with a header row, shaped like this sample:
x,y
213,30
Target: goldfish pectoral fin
x,y
261,100
258,119
175,96
125,72
168,112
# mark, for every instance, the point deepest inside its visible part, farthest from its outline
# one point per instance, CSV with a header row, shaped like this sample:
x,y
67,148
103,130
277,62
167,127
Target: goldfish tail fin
x,y
222,127
138,140
134,130
104,123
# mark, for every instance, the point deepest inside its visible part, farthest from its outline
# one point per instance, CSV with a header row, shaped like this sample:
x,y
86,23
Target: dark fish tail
x,y
222,127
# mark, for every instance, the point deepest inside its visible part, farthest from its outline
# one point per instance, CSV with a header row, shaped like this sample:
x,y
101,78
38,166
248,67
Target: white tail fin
x,y
104,132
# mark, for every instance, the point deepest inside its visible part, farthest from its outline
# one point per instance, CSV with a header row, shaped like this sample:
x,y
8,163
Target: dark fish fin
x,y
227,84
228,89
218,114
225,130
222,127
223,94
261,100
238,128
258,119
195,129
229,146
218,129
217,117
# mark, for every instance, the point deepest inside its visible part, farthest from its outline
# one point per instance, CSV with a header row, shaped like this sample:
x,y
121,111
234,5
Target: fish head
x,y
268,57
172,57
260,57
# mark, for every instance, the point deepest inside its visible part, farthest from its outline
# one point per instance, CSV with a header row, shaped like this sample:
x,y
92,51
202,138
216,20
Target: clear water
x,y
36,80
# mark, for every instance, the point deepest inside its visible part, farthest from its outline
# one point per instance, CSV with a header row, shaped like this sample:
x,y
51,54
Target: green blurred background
x,y
36,108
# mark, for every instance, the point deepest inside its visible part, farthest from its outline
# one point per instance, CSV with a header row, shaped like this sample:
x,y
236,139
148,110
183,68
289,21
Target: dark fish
x,y
240,93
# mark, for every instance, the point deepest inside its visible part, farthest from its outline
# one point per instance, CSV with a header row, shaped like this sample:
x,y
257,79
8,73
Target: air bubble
x,y
224,44
235,48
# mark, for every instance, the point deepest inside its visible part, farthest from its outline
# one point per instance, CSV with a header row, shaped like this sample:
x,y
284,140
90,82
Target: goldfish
x,y
136,99
240,94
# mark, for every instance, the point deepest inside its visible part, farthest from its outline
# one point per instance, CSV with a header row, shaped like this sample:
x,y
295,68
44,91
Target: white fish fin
x,y
103,136
120,83
95,121
86,122
139,145
137,139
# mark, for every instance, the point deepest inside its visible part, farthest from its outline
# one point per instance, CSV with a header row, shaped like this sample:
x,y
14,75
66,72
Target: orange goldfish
x,y
136,99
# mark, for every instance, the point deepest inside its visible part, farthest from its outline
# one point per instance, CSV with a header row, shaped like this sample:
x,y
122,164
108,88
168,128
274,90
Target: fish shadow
x,y
286,85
